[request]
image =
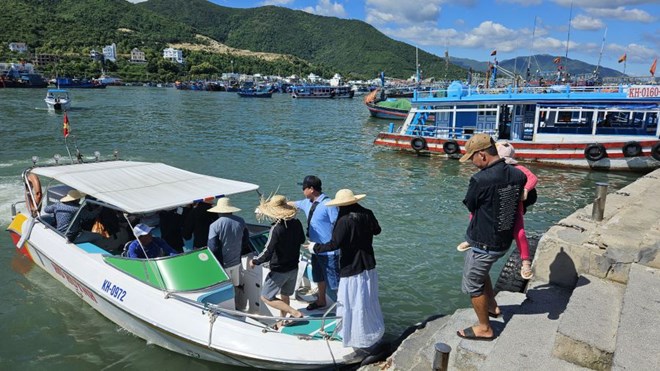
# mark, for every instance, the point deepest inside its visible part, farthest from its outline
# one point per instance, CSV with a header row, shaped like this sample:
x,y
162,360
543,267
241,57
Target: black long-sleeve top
x,y
353,235
283,246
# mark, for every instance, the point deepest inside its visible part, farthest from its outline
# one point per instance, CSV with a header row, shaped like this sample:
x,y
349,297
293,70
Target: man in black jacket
x,y
492,197
282,250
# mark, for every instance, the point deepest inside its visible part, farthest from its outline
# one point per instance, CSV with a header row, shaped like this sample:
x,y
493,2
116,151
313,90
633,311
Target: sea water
x,y
271,142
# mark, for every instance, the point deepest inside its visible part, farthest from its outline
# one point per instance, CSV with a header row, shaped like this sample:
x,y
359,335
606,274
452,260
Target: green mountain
x,y
544,63
349,47
305,43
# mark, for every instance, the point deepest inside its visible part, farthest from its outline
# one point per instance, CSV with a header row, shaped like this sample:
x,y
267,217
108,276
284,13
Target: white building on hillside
x,y
336,80
174,55
110,52
137,56
18,47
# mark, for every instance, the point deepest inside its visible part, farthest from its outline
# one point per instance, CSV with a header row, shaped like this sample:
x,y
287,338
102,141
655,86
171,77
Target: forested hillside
x,y
70,29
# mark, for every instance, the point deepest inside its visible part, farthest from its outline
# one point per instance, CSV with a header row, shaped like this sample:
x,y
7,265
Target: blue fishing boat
x,y
69,83
255,93
597,127
322,92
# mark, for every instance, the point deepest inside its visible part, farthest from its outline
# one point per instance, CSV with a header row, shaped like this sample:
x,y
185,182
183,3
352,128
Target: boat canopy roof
x,y
141,187
58,91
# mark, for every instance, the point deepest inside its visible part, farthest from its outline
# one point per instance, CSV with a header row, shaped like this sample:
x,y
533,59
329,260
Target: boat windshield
x,y
191,271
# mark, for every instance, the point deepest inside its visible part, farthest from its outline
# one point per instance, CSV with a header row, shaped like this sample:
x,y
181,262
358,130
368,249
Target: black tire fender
x,y
418,144
451,147
632,149
655,151
510,278
594,152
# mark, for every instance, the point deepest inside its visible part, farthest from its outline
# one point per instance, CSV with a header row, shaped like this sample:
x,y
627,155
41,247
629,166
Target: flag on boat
x,y
623,58
65,128
556,60
494,52
652,70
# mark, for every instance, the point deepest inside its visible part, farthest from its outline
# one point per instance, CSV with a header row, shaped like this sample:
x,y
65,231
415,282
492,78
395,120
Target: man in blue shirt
x,y
320,223
154,247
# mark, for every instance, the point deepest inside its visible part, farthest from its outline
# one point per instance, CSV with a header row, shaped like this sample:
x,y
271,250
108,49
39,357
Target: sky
x,y
473,29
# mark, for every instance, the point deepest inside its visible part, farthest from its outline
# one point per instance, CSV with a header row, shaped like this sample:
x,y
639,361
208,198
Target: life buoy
x,y
655,151
451,147
34,185
595,152
418,143
632,149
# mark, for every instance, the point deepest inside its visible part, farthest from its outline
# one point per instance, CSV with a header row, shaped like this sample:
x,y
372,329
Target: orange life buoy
x,y
33,188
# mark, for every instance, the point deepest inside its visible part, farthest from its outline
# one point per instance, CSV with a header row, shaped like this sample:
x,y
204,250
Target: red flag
x,y
494,52
652,70
66,125
556,60
623,58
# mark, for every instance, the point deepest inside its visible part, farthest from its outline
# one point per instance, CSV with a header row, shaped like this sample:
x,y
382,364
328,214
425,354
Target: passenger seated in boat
x,y
65,210
148,246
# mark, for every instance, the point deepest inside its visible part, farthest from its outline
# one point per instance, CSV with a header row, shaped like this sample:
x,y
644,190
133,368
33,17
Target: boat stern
x,y
15,230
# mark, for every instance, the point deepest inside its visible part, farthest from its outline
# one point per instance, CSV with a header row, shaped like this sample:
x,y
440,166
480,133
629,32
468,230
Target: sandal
x,y
526,270
463,246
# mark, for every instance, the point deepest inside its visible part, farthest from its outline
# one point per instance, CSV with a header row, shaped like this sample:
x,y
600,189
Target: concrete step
x,y
530,328
586,335
637,338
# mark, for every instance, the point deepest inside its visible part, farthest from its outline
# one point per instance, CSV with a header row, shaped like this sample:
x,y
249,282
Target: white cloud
x,y
583,22
402,12
621,13
327,8
635,53
602,3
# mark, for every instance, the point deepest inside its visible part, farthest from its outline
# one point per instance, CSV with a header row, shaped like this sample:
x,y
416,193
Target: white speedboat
x,y
58,99
184,303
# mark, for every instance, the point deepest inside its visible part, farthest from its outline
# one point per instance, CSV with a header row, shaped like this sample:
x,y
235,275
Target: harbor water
x,y
271,142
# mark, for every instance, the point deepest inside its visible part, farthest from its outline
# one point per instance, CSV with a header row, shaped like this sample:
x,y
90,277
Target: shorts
x,y
476,268
326,268
279,282
234,274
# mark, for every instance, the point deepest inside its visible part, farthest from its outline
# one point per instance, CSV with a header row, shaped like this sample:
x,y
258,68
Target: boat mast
x,y
568,40
600,56
417,64
529,60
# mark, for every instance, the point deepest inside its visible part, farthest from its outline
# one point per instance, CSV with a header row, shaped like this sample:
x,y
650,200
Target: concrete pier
x,y
594,302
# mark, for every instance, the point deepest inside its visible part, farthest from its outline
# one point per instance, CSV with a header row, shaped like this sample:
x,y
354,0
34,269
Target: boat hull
x,y
386,113
563,154
192,333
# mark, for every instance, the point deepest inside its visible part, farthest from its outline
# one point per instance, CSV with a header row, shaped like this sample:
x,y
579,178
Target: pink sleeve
x,y
531,178
519,233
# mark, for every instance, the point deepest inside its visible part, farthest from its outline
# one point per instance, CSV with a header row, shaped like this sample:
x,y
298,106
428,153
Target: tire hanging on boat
x,y
655,151
33,187
418,144
595,152
632,149
451,147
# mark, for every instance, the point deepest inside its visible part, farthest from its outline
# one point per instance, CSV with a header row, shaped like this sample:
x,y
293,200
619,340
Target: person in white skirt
x,y
357,297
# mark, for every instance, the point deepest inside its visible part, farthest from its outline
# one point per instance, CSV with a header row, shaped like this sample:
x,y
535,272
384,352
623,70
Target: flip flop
x,y
469,335
314,306
526,271
494,315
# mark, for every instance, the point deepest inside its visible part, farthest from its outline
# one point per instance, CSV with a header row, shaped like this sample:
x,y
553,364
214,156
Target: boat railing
x,y
466,90
215,310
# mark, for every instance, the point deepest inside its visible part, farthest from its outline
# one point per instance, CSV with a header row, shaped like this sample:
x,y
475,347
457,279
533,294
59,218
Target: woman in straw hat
x,y
282,250
357,297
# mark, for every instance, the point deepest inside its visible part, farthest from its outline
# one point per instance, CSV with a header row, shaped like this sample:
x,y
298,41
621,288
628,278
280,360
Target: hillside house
x,y
110,52
18,47
137,56
174,55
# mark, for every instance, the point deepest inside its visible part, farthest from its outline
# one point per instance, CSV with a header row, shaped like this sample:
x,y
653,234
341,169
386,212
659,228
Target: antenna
x,y
568,38
600,56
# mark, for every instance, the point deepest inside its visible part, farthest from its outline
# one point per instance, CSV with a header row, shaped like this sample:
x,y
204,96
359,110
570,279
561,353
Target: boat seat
x,y
92,248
